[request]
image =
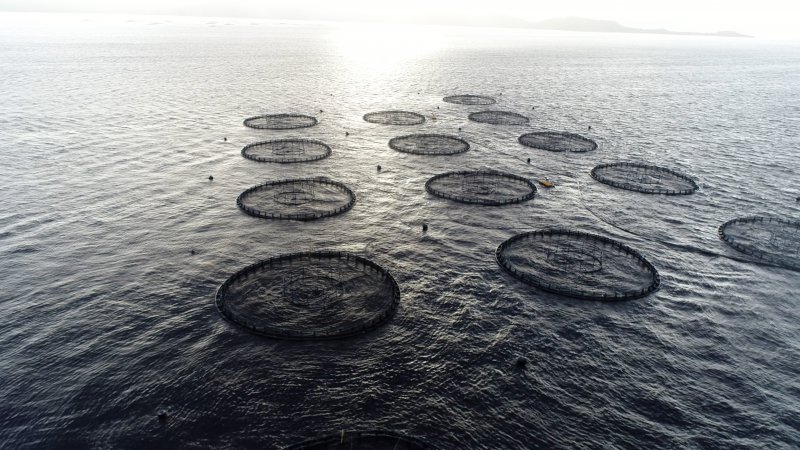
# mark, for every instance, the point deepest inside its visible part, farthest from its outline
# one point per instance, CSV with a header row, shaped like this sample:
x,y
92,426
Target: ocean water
x,y
110,127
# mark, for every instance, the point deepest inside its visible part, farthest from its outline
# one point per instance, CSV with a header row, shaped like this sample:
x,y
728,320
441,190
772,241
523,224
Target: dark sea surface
x,y
110,127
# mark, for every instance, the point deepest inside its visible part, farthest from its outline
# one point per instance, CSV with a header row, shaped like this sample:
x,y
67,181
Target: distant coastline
x,y
609,26
579,24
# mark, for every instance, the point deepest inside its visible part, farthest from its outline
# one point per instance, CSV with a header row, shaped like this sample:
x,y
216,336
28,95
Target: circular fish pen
x,y
429,144
297,199
644,178
499,118
366,440
579,265
470,99
558,141
287,151
483,187
309,296
394,118
768,239
280,121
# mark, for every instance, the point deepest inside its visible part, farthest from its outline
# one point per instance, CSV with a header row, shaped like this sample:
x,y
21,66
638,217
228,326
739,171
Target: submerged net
x,y
297,199
485,187
307,296
429,144
499,118
768,239
287,151
644,178
579,265
558,142
362,440
395,118
469,99
280,121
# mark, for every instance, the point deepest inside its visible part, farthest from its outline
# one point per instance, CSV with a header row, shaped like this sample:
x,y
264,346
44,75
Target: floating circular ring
x,y
363,440
394,118
484,187
499,118
429,144
280,121
297,199
579,265
644,178
287,151
769,239
558,141
469,99
309,296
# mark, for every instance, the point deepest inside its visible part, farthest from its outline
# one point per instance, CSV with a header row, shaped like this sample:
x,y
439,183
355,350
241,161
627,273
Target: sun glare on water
x,y
377,49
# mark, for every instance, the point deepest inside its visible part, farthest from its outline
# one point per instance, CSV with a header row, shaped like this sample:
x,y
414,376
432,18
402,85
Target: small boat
x,y
546,183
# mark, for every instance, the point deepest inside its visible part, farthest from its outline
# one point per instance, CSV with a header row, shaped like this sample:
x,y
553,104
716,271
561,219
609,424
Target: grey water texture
x,y
113,240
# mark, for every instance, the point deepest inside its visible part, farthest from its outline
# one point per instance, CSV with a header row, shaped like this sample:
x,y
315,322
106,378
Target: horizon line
x,y
333,20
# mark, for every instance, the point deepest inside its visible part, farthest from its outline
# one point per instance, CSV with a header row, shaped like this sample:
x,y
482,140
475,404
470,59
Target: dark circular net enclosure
x,y
309,296
395,118
558,142
499,118
286,151
280,121
767,239
297,199
429,144
644,178
484,187
469,99
579,265
363,440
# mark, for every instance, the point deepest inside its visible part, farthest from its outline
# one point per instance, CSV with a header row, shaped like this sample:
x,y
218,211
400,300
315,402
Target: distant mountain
x,y
609,26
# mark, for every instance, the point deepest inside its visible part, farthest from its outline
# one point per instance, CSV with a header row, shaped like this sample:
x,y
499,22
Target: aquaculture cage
x,y
470,99
499,118
768,239
280,121
579,265
429,144
297,199
558,141
287,151
395,118
309,296
363,440
644,178
484,187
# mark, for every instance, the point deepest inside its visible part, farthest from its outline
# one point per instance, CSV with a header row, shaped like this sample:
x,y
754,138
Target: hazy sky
x,y
763,18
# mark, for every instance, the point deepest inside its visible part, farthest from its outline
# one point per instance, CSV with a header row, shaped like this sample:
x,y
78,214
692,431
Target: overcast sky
x,y
763,18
